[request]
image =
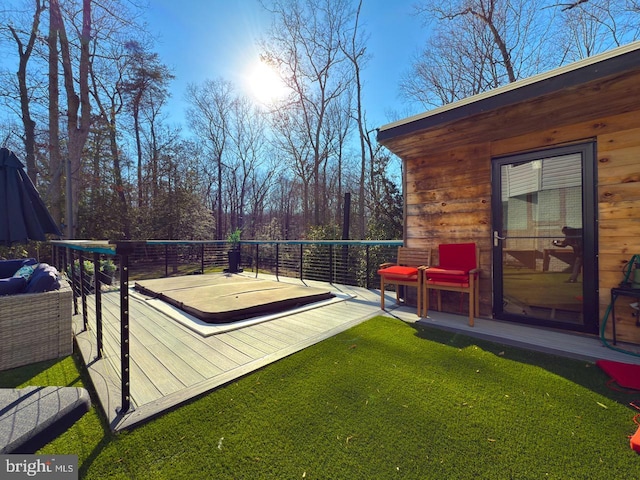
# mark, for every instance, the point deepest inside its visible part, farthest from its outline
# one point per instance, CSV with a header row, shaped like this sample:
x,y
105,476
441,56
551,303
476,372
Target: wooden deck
x,y
171,364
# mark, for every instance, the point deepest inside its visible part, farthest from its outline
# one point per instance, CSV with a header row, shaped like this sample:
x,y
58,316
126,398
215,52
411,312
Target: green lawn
x,y
382,400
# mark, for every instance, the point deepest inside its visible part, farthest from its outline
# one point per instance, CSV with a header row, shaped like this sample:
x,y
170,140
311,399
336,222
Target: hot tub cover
x,y
219,298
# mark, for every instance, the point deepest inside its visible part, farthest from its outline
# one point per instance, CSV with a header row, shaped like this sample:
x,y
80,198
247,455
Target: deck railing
x,y
88,265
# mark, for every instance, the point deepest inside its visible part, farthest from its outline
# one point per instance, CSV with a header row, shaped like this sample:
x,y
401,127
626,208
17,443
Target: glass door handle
x,y
497,237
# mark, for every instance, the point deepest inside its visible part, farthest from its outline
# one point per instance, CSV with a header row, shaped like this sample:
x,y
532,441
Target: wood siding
x,y
448,177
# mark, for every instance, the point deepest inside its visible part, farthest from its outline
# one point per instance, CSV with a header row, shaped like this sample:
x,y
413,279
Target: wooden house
x,y
544,176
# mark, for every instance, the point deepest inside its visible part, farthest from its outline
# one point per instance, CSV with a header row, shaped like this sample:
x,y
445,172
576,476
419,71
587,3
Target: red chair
x,y
457,271
406,271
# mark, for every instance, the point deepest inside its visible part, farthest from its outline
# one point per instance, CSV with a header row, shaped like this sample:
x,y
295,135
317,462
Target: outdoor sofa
x,y
35,314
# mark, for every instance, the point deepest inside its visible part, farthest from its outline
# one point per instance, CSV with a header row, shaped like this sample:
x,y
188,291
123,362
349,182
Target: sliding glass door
x,y
544,238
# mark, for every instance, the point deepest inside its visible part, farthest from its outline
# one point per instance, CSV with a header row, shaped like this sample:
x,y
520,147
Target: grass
x,y
382,400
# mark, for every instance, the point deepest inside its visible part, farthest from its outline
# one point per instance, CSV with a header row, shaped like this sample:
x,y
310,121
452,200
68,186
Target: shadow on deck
x,y
172,364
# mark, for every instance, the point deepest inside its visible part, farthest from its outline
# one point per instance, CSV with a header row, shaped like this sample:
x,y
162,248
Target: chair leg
x,y
474,301
477,297
382,293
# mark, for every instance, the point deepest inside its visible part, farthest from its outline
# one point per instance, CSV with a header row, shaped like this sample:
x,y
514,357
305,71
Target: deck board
x,y
171,364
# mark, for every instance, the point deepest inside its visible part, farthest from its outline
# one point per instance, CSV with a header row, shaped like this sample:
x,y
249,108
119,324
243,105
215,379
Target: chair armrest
x,y
387,264
474,271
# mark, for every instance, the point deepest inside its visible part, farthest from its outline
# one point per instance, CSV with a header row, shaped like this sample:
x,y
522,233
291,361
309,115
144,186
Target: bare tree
x,y
304,46
78,105
211,105
355,50
25,49
594,26
478,45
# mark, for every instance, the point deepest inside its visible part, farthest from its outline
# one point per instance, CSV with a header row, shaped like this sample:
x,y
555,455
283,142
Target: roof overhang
x,y
616,61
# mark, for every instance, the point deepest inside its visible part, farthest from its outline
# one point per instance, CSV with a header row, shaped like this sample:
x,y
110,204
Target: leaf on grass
x,y
491,439
602,405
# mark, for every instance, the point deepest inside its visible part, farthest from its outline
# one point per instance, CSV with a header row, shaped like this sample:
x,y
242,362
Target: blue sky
x,y
209,39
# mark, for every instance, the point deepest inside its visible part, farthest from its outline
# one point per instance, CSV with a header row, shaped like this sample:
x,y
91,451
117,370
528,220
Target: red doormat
x,y
624,374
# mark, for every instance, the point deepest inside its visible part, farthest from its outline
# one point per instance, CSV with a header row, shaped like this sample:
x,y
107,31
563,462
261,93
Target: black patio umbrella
x,y
23,214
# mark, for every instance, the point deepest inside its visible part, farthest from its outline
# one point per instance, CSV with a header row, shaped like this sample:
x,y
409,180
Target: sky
x,y
211,39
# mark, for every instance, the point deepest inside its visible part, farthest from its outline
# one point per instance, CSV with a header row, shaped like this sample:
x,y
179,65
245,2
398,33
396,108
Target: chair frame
x,y
473,290
408,257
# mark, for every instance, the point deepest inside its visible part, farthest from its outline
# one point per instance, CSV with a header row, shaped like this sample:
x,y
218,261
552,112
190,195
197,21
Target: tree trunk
x,y
79,108
117,172
55,163
29,125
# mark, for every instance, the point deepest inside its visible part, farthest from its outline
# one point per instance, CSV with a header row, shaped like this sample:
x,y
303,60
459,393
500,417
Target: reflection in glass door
x,y
543,232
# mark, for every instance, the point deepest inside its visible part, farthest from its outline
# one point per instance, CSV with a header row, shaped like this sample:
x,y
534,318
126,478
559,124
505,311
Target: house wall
x,y
448,199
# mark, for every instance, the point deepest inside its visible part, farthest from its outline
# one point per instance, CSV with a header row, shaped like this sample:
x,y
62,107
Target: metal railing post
x,y
277,259
331,263
124,249
74,283
301,262
257,257
85,319
98,291
366,273
166,260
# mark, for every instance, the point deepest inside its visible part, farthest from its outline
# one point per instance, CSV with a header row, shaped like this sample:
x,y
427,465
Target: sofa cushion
x,y
44,279
12,285
9,267
25,271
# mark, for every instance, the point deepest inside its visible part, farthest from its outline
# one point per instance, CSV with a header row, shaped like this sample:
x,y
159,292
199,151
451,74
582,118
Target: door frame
x,y
588,150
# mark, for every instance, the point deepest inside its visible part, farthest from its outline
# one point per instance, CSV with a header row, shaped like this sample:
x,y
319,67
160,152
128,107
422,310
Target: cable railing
x,y
100,272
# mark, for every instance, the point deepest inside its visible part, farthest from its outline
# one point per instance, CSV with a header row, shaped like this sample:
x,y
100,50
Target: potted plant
x,y
107,271
89,272
87,266
233,239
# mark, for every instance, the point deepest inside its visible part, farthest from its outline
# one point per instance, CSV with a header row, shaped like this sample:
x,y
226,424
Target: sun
x,y
265,84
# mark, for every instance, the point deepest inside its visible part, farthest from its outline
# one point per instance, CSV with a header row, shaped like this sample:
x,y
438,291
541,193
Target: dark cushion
x,y
12,285
44,279
9,267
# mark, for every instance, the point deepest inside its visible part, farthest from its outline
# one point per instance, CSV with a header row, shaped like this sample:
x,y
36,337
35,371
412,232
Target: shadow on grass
x,y
54,373
15,377
580,372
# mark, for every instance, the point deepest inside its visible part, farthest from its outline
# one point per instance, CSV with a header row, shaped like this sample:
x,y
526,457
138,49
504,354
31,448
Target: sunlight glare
x,y
265,84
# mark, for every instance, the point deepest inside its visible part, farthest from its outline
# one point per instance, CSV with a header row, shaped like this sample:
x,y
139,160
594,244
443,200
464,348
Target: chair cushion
x,y
457,256
12,285
451,277
9,267
44,279
398,272
445,271
462,284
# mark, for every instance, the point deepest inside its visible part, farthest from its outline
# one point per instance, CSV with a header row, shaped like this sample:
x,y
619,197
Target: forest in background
x,y
83,98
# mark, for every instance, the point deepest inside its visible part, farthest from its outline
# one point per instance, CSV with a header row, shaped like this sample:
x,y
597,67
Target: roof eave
x,y
610,63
